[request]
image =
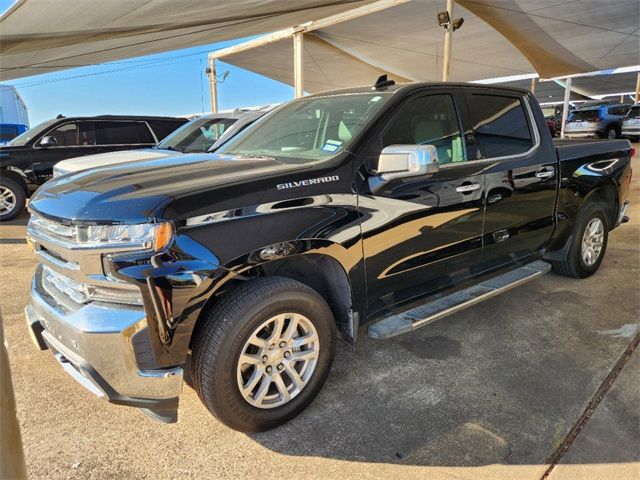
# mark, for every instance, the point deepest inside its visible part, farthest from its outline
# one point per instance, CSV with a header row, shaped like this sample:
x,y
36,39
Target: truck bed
x,y
572,148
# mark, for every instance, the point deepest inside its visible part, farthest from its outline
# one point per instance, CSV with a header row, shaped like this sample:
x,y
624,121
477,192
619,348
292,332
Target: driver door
x,y
423,234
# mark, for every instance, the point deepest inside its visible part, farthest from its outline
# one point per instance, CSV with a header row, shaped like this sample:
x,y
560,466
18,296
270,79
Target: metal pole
x,y
565,109
213,85
636,98
298,71
533,86
11,453
448,36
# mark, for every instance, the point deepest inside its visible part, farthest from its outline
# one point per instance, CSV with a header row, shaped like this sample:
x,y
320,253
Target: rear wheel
x,y
588,244
263,353
611,133
12,199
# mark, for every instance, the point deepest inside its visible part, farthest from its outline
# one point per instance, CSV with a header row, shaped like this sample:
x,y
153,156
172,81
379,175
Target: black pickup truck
x,y
390,206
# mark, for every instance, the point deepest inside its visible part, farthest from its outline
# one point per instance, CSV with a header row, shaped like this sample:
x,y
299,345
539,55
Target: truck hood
x,y
141,191
78,164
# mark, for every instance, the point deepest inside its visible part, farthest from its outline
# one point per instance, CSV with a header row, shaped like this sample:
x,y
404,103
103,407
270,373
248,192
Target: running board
x,y
430,312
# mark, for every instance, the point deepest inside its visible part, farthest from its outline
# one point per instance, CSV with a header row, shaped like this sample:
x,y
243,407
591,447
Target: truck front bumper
x,y
99,345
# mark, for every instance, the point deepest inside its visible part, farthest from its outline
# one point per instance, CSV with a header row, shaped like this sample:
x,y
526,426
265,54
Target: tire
x,y
224,334
12,199
575,265
611,133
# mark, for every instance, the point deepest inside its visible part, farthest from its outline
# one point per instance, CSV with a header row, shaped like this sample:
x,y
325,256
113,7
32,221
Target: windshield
x,y
634,112
27,136
312,129
197,136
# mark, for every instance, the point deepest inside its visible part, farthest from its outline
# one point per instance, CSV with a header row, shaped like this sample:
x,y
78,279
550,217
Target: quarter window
x,y
428,120
500,124
123,133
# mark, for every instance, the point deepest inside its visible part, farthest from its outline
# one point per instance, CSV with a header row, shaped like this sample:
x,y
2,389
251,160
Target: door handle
x,y
547,173
470,187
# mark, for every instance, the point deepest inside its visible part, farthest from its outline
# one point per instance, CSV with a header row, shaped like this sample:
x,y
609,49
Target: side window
x,y
123,133
428,120
73,134
500,124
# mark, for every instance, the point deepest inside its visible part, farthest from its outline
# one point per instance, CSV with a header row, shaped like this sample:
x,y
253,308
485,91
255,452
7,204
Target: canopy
x,y
498,38
39,36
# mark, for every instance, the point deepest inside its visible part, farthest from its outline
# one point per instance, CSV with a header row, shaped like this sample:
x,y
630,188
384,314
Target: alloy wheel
x,y
592,241
278,360
7,201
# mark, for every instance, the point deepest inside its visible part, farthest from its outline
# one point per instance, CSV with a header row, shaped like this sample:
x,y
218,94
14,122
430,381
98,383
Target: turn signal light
x,y
164,232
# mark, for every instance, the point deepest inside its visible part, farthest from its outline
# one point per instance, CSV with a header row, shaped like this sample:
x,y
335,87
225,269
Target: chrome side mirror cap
x,y
400,161
48,141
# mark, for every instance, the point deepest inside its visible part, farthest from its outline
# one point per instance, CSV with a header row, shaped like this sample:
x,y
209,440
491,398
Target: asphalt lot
x,y
491,392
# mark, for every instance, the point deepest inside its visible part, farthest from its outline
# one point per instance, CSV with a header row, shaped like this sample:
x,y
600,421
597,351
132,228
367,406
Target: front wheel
x,y
263,353
588,244
12,199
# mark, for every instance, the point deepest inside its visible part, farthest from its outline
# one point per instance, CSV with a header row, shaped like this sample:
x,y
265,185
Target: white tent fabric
x,y
39,36
499,38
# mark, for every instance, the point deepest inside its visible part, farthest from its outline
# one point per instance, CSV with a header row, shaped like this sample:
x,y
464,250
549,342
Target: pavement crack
x,y
604,387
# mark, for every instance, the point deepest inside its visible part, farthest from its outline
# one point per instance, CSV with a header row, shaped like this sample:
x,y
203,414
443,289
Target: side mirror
x,y
48,141
399,161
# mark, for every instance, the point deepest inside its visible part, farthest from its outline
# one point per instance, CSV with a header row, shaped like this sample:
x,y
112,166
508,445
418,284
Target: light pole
x,y
450,26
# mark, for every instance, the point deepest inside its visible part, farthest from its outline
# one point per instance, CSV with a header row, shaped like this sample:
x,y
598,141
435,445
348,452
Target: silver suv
x,y
604,121
631,124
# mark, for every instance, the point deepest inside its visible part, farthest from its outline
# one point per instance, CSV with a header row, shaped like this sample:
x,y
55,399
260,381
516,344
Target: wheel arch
x,y
307,263
17,176
607,197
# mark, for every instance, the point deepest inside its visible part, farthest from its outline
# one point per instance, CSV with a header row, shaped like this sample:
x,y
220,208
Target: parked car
x,y
631,124
28,160
553,115
604,121
9,131
336,210
200,135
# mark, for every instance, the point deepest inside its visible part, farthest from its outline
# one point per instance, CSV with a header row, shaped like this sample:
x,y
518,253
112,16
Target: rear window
x,y
585,115
123,133
634,112
163,128
618,110
500,124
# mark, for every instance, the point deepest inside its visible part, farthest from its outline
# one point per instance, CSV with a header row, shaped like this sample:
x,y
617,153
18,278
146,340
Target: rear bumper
x,y
581,133
98,346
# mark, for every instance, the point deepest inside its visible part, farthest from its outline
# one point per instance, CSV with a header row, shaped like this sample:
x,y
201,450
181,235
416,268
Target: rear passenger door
x,y
422,234
520,175
123,134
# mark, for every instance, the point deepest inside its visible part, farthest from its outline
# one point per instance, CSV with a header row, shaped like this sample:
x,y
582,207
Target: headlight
x,y
144,235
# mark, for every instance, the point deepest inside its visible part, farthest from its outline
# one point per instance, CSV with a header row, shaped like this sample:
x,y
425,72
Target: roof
x,y
407,87
120,117
499,38
39,36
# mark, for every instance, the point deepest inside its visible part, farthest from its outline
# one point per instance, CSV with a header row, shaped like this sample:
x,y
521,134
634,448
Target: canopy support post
x,y
565,108
636,98
448,37
533,86
213,84
298,72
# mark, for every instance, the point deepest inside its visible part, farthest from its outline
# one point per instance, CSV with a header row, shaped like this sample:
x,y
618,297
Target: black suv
x,y
27,161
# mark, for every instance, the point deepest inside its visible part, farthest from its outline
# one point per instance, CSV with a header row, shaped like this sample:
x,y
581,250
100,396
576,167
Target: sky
x,y
172,83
